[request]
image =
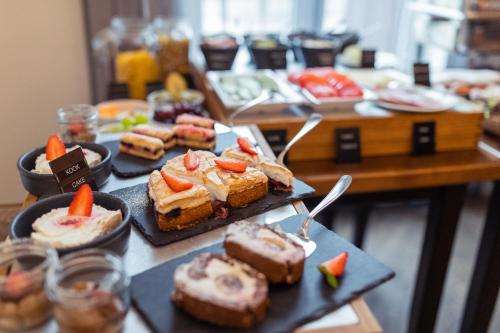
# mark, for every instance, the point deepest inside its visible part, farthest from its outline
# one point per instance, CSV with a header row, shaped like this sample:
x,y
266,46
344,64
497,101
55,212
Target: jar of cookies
x,y
172,45
124,57
90,284
23,301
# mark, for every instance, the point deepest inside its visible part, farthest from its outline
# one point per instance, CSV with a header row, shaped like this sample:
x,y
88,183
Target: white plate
x,y
446,102
278,103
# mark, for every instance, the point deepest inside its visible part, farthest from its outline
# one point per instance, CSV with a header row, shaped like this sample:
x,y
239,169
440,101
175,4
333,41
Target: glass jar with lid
x,y
124,57
78,123
172,40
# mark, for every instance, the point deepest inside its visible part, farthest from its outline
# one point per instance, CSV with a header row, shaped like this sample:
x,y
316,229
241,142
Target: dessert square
x,y
189,119
195,137
165,134
280,259
221,290
178,210
142,146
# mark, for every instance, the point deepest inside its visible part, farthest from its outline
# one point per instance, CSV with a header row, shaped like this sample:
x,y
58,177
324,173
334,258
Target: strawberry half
x,y
231,165
175,183
55,148
82,202
191,160
246,146
333,268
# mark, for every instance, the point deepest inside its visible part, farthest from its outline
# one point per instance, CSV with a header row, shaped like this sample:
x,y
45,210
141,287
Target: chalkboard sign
x,y
347,145
117,91
154,86
71,171
277,140
421,74
368,58
424,138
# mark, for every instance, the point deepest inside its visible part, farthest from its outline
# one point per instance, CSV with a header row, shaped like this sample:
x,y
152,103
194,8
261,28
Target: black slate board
x,y
143,212
127,166
291,306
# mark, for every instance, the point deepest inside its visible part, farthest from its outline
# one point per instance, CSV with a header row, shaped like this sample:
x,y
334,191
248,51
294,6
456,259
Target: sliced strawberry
x,y
175,183
17,283
246,146
55,148
82,202
231,165
333,268
191,160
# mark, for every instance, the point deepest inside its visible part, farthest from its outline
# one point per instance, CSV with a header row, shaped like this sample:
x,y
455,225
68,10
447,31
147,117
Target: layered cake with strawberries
x,y
280,177
269,251
221,290
55,148
80,223
189,119
195,137
165,134
142,146
178,203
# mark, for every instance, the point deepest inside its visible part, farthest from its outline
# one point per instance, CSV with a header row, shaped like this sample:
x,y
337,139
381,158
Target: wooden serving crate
x,y
382,132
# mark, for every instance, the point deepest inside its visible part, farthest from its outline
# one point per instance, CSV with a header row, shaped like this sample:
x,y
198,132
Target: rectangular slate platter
x,y
127,166
143,212
291,306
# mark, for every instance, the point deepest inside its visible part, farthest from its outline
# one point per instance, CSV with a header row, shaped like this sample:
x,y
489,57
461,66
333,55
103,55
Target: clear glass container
x,y
78,123
172,38
23,301
89,291
123,53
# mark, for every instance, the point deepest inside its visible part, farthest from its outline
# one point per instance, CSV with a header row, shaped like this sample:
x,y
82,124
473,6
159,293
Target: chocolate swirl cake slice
x,y
280,259
221,290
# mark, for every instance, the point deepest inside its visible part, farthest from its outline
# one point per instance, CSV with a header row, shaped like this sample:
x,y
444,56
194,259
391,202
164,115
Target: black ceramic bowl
x,y
116,240
269,58
46,185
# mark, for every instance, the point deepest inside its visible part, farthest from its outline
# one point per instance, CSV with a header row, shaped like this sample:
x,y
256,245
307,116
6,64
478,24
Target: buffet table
x,y
354,317
440,178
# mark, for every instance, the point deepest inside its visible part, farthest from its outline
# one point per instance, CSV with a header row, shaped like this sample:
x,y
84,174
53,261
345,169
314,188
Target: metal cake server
x,y
301,236
313,120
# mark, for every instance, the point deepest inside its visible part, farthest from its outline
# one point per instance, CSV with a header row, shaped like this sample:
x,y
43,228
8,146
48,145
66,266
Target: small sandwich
x,y
189,119
280,259
244,184
163,133
179,204
142,146
196,167
280,178
221,290
195,137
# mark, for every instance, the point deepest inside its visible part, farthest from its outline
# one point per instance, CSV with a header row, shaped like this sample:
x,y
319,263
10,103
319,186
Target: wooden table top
x,y
404,172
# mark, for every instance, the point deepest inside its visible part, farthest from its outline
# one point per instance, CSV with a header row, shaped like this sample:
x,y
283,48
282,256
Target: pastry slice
x,y
221,290
189,119
280,259
280,177
244,184
178,203
163,133
195,137
141,146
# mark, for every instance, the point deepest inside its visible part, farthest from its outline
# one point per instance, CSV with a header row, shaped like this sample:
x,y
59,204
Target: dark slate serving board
x,y
143,212
127,166
291,306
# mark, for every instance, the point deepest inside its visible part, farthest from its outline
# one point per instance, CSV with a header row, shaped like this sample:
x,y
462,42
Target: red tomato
x,y
307,78
321,90
349,88
294,77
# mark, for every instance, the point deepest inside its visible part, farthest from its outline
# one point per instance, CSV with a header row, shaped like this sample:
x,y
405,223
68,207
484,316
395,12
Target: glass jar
x,y
172,38
78,123
122,53
23,301
90,284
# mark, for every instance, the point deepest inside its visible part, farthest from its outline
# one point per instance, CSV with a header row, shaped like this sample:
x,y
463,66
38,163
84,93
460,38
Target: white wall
x,y
43,65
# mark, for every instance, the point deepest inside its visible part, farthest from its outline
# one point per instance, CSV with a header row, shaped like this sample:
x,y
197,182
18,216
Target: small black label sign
x,y
348,145
277,140
421,74
424,138
368,59
118,91
71,171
